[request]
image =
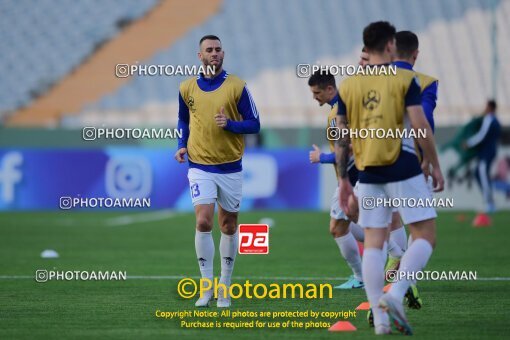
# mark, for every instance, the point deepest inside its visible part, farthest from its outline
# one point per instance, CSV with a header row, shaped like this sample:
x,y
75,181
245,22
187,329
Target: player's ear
x,y
199,54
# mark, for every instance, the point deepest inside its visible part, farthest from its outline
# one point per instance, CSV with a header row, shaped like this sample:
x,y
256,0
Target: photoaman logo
x,y
253,239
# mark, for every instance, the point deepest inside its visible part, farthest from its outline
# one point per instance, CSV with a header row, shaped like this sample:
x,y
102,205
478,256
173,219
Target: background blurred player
x,y
222,110
387,168
486,142
323,86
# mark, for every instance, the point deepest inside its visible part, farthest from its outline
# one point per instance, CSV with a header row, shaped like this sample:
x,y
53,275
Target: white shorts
x,y
336,212
380,216
208,187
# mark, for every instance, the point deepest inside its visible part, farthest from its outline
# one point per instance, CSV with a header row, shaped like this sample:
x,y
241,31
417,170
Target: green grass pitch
x,y
300,247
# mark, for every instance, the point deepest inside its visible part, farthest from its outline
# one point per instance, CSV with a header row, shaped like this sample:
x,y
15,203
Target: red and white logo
x,y
253,239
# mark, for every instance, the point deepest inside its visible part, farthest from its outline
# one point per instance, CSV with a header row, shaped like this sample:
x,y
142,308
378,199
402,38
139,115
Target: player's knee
x,y
229,228
338,228
204,224
228,224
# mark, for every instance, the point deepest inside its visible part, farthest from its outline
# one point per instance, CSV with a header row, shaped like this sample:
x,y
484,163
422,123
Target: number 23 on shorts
x,y
195,191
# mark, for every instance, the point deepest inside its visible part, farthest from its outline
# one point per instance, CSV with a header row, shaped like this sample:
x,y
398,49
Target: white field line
x,y
282,278
139,218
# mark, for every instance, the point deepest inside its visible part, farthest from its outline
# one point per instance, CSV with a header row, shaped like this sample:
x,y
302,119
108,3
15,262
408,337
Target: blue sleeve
x,y
428,101
248,110
413,95
183,123
328,158
342,109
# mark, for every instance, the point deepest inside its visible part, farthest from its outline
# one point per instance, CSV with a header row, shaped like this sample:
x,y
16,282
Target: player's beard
x,y
217,66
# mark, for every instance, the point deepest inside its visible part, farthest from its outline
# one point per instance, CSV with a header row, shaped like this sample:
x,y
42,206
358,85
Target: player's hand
x,y
425,167
179,155
345,188
437,180
315,155
220,118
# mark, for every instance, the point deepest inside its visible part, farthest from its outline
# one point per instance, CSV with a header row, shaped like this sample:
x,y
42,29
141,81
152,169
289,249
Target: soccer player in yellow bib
x,y
388,168
215,110
345,232
406,54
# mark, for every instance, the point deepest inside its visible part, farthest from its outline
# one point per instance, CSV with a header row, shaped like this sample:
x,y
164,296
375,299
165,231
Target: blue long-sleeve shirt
x,y
428,95
246,108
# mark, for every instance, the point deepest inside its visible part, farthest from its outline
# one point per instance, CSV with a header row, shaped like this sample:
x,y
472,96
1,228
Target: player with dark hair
x,y
215,107
345,232
406,54
388,168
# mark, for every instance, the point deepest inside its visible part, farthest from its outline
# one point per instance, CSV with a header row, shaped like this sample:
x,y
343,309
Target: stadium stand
x,y
265,40
51,38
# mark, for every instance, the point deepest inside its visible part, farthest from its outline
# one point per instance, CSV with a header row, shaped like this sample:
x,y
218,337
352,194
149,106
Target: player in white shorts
x,y
388,169
215,110
344,232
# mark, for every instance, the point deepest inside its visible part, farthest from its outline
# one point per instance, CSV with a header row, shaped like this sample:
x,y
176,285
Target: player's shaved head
x,y
377,35
208,37
407,44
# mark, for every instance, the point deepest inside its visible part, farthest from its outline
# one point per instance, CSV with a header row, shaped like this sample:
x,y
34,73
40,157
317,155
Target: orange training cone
x,y
482,220
363,306
342,326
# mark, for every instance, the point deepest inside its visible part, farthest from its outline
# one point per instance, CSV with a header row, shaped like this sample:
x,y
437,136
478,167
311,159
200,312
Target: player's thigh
x,y
338,228
370,214
413,189
230,191
202,187
396,221
353,204
335,212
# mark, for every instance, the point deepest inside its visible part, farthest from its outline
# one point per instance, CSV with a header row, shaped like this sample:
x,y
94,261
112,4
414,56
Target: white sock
x,y
350,251
228,251
414,260
409,241
357,232
399,236
373,275
384,257
204,246
394,250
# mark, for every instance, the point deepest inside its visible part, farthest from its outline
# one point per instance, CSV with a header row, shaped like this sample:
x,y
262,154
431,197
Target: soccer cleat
x,y
414,300
205,300
382,329
352,283
370,318
223,302
395,310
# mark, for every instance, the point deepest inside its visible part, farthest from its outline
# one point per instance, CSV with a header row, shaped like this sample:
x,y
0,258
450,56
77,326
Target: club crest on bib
x,y
191,104
371,100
